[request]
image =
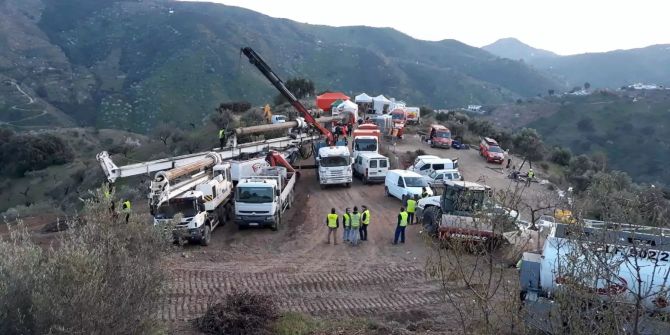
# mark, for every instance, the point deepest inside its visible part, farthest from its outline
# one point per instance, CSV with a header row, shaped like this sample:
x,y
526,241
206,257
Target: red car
x,y
490,149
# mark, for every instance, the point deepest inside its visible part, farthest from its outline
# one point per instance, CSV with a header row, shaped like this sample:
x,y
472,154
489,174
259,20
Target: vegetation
x,y
101,274
300,87
20,153
240,313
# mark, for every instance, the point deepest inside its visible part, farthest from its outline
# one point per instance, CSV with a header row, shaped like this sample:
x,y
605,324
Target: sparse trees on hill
x,y
586,124
551,92
528,144
234,106
560,156
20,153
300,87
587,85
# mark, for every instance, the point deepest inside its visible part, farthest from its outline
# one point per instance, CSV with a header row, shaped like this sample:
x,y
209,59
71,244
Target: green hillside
x,y
631,128
129,64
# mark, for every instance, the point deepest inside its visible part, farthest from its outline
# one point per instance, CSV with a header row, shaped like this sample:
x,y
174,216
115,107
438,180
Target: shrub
x,y
560,156
105,276
251,117
425,111
240,313
28,152
442,117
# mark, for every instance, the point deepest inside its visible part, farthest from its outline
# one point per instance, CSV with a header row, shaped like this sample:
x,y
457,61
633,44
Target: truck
x,y
629,259
464,212
261,200
413,115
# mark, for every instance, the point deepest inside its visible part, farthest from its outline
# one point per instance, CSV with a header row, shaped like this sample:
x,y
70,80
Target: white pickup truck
x,y
262,200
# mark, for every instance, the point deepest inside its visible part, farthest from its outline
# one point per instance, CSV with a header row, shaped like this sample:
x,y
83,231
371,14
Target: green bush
x,y
560,156
30,152
104,276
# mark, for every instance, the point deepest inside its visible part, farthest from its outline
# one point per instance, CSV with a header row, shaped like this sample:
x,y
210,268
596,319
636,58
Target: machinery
x,y
332,158
261,200
614,262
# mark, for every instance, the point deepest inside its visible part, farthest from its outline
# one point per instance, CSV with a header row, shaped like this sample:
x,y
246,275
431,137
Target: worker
x,y
332,223
126,209
530,176
411,208
355,224
365,221
424,192
509,162
400,228
222,138
346,223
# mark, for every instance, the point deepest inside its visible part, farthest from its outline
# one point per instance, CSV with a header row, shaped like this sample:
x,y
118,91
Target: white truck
x,y
262,200
334,166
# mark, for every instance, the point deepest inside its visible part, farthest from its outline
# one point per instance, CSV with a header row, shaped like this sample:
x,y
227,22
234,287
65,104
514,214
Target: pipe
x,y
210,160
280,126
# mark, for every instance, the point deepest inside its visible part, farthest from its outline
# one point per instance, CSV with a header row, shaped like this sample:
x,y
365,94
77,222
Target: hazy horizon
x,y
593,26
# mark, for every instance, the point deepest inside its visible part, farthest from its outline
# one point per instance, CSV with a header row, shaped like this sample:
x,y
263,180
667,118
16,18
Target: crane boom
x,y
265,69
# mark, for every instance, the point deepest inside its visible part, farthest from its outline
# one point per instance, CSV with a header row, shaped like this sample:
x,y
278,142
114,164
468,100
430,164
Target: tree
x,y
162,132
560,156
300,87
585,124
528,144
551,92
587,85
29,152
234,106
425,111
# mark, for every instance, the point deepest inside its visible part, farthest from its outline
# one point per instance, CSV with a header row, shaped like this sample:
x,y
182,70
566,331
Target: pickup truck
x,y
262,200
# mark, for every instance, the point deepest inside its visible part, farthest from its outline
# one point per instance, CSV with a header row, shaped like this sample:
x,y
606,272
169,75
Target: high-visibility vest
x,y
347,219
367,217
531,174
411,205
355,220
403,218
222,133
107,194
126,206
332,220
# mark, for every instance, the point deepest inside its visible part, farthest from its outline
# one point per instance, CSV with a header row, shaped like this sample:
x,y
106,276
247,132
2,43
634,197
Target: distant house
x,y
474,108
641,86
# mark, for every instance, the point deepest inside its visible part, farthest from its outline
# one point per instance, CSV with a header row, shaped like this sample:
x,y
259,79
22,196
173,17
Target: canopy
x,y
336,103
324,101
363,98
380,104
348,106
381,99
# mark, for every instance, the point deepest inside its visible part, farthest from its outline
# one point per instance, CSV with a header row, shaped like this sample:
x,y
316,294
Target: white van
x,y
404,184
440,176
371,167
426,166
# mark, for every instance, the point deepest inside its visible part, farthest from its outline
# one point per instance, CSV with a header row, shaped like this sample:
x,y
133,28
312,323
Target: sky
x,y
562,26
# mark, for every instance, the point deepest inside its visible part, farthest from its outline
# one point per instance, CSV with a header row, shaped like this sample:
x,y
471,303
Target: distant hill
x,y
614,69
129,64
512,48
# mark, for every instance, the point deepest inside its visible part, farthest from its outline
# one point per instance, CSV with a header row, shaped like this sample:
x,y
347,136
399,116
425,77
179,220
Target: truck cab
x,y
334,166
261,200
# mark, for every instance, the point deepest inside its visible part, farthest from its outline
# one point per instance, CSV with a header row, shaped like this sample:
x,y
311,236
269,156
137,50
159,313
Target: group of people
x,y
356,223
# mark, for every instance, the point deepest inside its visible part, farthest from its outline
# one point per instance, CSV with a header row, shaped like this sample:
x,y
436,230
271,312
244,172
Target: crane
x,y
265,69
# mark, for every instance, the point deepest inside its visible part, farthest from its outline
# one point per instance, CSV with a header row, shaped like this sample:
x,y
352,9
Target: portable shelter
x,y
324,101
363,98
380,104
348,107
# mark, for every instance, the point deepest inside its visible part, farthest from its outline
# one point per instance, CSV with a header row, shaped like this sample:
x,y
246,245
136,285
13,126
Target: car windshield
x,y
398,116
433,175
254,195
334,161
443,134
366,144
415,182
495,149
185,206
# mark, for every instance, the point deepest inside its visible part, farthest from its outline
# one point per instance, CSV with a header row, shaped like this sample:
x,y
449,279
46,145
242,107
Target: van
x,y
404,184
439,136
439,176
426,166
371,167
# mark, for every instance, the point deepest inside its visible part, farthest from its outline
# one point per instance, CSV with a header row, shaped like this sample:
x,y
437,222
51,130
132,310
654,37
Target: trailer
x,y
263,199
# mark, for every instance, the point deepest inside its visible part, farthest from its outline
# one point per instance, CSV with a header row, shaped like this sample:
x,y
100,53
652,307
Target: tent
x,y
336,103
324,101
380,104
349,107
363,98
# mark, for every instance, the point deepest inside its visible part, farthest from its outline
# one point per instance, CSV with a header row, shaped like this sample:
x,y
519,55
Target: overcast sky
x,y
561,26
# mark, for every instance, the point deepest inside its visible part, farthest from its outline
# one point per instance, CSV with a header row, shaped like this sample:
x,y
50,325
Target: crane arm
x,y
265,69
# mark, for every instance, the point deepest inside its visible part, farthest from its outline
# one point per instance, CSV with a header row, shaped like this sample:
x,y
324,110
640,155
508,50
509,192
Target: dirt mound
x,y
240,313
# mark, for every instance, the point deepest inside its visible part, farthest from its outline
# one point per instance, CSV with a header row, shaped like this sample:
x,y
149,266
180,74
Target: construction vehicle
x,y
366,138
618,263
465,212
332,157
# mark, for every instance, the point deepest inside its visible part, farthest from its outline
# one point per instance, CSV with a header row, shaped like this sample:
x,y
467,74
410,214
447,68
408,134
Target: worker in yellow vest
x,y
411,208
365,221
400,228
332,222
126,209
355,225
346,223
222,138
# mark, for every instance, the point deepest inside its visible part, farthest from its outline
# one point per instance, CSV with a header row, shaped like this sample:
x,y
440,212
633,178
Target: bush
x,y
105,277
560,156
240,313
28,152
442,117
425,111
251,117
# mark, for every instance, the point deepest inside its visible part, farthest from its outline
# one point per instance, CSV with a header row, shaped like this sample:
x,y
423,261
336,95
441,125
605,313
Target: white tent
x,y
349,107
380,104
363,98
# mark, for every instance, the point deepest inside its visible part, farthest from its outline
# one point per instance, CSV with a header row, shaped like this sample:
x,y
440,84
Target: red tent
x,y
324,101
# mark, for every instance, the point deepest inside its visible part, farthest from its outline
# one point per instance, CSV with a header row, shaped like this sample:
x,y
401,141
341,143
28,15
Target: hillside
x,y
129,64
512,48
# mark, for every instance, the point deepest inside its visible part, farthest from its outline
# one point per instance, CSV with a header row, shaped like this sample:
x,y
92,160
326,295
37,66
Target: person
x,y
530,176
126,209
509,162
365,221
411,208
332,223
355,224
400,228
222,138
424,192
346,223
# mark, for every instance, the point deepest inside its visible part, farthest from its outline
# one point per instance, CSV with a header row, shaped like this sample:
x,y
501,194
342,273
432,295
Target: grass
x,y
293,323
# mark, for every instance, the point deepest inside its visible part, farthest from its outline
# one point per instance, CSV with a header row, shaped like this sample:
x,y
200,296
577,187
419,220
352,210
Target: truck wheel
x,y
275,225
290,200
347,185
206,236
430,220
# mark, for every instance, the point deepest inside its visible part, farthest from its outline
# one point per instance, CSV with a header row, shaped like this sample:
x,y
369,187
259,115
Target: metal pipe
x,y
280,126
210,160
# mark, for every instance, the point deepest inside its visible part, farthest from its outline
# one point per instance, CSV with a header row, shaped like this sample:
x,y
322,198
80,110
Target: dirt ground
x,y
374,279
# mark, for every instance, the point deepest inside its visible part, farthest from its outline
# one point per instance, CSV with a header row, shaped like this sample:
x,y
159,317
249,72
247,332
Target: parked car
x,y
439,136
278,118
489,149
440,176
426,166
371,167
404,184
